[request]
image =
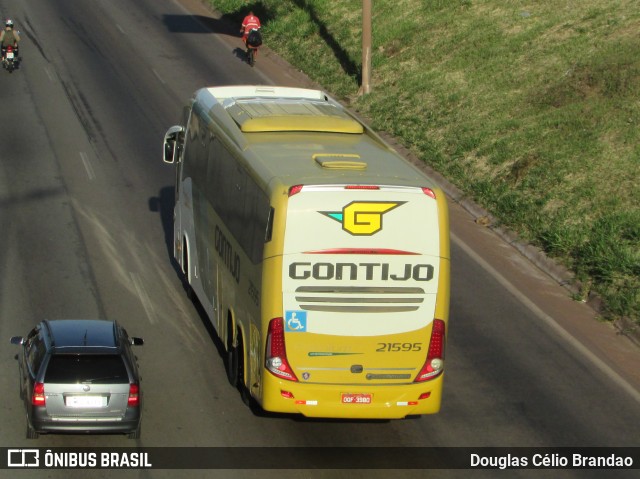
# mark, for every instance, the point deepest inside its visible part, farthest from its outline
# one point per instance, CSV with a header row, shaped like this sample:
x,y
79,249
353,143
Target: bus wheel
x,y
245,394
233,358
185,270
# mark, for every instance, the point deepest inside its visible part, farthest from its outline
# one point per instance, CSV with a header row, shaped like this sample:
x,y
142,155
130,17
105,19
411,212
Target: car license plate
x,y
356,398
85,401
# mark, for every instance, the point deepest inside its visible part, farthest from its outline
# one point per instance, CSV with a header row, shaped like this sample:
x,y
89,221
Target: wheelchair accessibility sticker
x,y
295,321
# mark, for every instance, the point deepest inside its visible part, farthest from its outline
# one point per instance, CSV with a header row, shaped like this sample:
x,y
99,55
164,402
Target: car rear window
x,y
94,369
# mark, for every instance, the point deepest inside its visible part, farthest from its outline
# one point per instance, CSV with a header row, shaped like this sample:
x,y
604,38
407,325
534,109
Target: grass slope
x,y
531,108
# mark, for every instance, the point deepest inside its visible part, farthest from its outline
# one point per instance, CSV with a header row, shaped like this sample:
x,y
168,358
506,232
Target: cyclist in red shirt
x,y
250,22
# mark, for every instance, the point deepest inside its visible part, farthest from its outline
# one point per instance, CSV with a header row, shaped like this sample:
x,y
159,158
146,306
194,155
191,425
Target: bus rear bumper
x,y
353,401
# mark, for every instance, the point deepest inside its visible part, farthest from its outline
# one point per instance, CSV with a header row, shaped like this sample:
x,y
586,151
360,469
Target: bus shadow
x,y
164,204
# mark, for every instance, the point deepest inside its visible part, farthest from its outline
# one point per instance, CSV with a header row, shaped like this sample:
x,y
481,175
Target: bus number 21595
x,y
398,347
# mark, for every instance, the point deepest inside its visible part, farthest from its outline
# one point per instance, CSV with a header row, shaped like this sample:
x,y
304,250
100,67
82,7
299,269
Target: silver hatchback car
x,y
80,376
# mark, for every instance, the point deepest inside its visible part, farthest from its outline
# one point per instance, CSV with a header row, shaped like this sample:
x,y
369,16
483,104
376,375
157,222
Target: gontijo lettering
x,y
360,271
362,218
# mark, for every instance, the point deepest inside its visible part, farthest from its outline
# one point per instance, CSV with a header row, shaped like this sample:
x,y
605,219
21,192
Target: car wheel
x,y
20,384
233,360
31,432
135,434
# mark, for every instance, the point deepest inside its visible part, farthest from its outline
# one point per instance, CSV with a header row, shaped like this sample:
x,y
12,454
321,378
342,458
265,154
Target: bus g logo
x,y
362,218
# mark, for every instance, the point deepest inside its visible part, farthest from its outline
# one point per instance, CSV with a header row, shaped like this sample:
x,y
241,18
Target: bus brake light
x,y
276,352
294,190
429,192
434,364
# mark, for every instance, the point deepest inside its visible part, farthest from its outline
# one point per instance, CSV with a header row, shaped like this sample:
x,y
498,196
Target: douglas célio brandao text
x,y
551,461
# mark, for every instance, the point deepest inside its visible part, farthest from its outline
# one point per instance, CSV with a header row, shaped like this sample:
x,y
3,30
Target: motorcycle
x,y
10,60
254,41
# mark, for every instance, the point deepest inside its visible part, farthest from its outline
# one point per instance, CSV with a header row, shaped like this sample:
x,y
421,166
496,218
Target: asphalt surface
x,y
85,222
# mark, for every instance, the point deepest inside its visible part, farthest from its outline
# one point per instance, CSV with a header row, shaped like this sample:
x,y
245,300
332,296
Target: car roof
x,y
81,335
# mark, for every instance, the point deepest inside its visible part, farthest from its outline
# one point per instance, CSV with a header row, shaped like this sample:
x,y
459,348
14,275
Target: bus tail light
x,y
294,190
276,352
429,192
434,364
38,398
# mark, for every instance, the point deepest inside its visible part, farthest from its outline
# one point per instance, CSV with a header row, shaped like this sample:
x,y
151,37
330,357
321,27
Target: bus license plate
x,y
350,398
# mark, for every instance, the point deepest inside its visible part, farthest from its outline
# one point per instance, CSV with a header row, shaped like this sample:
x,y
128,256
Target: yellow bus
x,y
319,254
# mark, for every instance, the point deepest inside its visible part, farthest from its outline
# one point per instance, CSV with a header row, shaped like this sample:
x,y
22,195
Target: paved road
x,y
85,224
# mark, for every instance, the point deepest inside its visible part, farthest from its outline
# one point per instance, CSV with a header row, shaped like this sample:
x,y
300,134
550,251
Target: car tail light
x,y
134,395
434,364
38,398
276,353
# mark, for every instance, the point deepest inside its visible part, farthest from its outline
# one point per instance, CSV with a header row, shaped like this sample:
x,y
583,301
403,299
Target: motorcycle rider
x,y
9,37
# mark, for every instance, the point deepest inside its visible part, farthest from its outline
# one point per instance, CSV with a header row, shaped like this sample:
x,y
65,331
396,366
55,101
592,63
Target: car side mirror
x,y
137,341
18,340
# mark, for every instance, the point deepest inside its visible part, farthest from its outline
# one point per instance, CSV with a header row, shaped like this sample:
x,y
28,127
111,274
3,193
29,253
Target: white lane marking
x,y
143,296
599,363
121,29
158,76
51,76
87,166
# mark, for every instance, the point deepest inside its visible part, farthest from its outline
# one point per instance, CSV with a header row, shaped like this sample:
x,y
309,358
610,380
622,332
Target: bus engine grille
x,y
359,299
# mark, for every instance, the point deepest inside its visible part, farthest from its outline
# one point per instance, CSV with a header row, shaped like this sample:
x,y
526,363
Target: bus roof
x,y
302,136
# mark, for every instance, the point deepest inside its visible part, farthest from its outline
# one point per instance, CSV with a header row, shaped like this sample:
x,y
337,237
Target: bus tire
x,y
185,270
232,364
245,394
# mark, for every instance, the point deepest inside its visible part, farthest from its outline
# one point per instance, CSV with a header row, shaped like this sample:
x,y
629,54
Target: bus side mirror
x,y
173,141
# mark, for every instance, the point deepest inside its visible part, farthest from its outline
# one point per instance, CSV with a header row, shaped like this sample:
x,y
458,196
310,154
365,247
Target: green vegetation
x,y
531,108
